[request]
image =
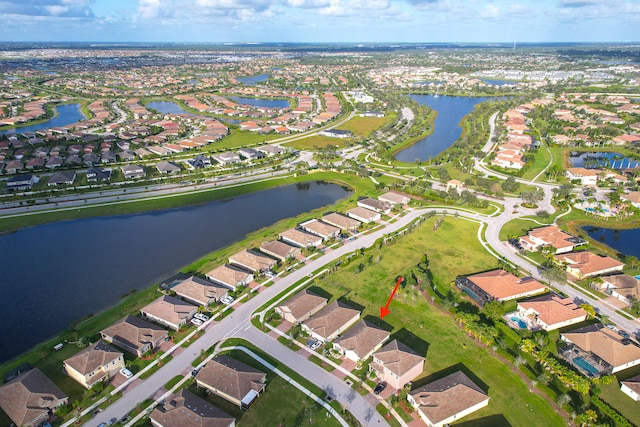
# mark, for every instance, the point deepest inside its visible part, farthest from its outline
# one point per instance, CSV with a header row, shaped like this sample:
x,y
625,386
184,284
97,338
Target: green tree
x,y
588,308
493,309
510,185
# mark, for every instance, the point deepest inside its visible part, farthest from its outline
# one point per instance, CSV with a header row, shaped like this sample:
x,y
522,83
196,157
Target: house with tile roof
x,y
252,261
394,198
232,380
341,221
622,286
300,238
553,236
331,321
134,335
608,349
498,285
448,399
551,312
374,205
186,409
583,175
319,228
280,250
169,311
301,306
230,276
587,264
396,364
95,363
632,197
200,291
631,387
361,341
31,398
364,215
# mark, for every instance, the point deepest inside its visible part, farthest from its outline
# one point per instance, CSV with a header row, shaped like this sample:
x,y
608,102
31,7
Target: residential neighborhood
x,y
297,233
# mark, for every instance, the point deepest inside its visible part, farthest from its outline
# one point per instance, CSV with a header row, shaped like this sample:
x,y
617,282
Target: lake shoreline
x,y
125,299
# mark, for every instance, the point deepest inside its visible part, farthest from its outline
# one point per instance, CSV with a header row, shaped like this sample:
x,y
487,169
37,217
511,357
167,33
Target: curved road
x,y
238,325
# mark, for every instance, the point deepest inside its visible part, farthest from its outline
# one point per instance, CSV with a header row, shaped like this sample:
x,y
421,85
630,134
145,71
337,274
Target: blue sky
x,y
320,20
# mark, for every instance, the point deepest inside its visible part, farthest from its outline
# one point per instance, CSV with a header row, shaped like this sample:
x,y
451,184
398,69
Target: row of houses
x,y
583,264
509,154
25,182
222,376
438,403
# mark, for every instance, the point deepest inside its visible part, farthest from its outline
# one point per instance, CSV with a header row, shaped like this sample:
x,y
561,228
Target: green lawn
x,y
542,159
519,227
315,142
364,126
238,139
452,250
612,394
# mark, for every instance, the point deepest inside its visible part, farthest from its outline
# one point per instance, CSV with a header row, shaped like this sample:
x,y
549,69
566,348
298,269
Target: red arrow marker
x,y
385,310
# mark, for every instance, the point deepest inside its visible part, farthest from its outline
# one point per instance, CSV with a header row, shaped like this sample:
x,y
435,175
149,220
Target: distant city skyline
x,y
222,21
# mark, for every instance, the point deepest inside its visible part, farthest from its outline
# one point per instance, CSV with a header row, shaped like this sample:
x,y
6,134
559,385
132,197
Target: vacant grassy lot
x,y
364,126
315,142
238,139
452,250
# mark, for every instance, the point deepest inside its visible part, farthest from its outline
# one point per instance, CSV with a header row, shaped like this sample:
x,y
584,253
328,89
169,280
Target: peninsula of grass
x,y
416,322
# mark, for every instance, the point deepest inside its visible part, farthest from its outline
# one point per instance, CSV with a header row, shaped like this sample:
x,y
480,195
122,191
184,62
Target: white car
x,y
201,316
126,373
227,300
196,321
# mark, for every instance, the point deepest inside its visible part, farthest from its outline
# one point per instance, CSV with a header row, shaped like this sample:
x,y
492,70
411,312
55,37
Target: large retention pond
x,y
66,114
446,127
58,273
623,241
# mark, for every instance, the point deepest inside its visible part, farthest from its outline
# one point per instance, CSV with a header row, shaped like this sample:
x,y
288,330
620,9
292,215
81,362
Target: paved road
x,y
237,325
512,211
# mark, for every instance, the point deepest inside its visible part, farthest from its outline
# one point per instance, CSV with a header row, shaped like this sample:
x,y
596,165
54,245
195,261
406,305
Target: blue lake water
x,y
168,107
55,274
261,102
446,127
252,80
623,241
595,160
65,115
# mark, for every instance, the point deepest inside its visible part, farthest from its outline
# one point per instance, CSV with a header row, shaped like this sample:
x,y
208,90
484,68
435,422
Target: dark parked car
x,y
623,334
380,387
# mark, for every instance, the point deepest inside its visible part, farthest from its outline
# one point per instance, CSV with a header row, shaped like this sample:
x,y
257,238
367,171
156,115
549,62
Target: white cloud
x,y
491,11
54,8
307,4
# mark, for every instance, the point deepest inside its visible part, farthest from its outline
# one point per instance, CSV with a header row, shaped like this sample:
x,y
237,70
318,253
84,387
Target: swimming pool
x,y
592,210
582,363
521,323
